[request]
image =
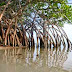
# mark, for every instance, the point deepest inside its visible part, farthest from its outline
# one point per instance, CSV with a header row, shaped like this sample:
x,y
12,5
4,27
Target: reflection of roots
x,y
11,55
51,57
57,57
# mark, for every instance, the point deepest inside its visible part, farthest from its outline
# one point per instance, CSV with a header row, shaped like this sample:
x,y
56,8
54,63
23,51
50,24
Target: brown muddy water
x,y
37,59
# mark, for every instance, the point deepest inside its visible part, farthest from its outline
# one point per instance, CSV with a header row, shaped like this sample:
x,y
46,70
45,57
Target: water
x,y
38,59
68,30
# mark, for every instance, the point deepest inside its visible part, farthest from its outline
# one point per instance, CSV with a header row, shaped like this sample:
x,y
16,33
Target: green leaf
x,y
3,3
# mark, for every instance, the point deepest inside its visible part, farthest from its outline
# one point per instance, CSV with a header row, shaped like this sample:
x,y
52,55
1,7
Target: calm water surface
x,y
38,59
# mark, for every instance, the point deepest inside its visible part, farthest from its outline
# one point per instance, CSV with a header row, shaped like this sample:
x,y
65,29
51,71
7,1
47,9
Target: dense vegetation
x,y
19,19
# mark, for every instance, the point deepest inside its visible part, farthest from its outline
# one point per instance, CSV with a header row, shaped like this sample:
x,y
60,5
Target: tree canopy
x,y
57,10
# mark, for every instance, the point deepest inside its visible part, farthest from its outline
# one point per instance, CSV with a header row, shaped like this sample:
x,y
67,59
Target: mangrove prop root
x,y
49,36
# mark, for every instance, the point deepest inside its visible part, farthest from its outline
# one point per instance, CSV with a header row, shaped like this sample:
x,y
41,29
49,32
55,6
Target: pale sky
x,y
70,1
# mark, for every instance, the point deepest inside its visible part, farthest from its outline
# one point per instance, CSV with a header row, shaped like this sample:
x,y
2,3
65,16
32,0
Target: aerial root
x,y
52,36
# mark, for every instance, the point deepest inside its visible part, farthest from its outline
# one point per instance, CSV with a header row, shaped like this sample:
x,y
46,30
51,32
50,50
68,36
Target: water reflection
x,y
51,59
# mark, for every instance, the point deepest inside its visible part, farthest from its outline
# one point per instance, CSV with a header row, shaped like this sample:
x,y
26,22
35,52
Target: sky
x,y
70,1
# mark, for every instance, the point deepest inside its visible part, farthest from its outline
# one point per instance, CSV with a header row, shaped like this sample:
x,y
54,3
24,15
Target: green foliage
x,y
61,24
46,9
3,3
